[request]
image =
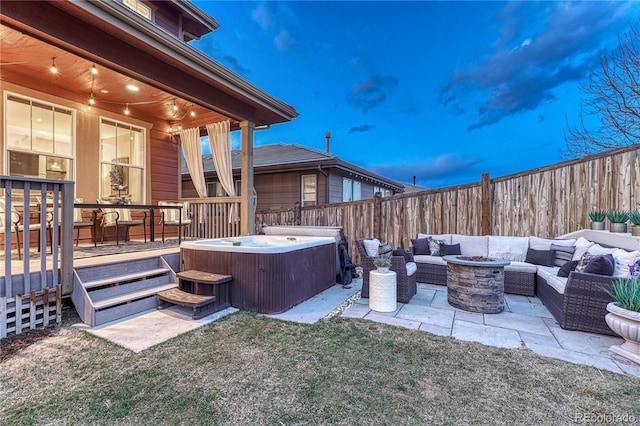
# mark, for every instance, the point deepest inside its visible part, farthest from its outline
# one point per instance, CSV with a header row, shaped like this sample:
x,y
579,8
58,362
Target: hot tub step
x,y
202,305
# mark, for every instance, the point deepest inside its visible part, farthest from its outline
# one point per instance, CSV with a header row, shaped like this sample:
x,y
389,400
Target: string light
x,y
175,107
126,110
54,69
92,101
192,113
94,70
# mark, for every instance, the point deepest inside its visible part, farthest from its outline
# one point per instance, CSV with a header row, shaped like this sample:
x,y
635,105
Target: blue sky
x,y
443,91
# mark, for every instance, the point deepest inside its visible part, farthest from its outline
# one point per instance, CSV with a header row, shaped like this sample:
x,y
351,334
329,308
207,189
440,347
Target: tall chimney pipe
x,y
414,181
327,136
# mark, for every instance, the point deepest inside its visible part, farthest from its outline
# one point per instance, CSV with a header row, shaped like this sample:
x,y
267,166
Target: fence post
x,y
485,219
377,215
297,213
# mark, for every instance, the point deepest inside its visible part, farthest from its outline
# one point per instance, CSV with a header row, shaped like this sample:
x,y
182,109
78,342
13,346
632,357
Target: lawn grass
x,y
247,370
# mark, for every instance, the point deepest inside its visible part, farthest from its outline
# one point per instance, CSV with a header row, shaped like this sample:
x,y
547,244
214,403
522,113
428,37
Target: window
x,y
215,189
351,190
122,161
138,7
39,138
309,193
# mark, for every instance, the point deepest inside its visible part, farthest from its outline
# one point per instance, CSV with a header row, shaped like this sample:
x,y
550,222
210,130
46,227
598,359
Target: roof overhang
x,y
106,33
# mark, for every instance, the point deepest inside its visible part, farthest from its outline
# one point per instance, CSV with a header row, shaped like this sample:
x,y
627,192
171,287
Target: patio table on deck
x,y
150,207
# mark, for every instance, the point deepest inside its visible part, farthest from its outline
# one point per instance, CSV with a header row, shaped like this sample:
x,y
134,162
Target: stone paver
x,y
525,322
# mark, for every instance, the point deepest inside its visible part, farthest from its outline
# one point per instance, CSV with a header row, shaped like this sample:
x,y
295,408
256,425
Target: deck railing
x,y
32,297
213,217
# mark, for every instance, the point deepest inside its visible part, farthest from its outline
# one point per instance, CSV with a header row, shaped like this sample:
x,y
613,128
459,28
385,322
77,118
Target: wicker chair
x,y
406,284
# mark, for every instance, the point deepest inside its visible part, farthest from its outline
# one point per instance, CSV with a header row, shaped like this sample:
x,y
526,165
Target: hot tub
x,y
270,273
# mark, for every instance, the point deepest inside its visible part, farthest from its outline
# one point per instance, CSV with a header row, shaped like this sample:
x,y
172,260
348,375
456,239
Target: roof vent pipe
x,y
327,136
414,181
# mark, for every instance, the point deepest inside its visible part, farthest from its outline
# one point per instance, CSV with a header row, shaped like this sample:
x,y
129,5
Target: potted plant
x,y
634,217
618,219
382,263
597,220
624,314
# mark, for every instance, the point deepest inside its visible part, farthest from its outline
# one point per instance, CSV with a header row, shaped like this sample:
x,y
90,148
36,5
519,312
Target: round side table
x,y
382,291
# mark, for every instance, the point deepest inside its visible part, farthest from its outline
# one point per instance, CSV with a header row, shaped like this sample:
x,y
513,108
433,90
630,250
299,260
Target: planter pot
x,y
635,230
618,227
383,269
597,226
626,324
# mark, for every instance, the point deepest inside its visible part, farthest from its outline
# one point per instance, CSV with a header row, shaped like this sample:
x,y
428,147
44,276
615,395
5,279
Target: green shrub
x,y
634,217
626,292
597,216
618,216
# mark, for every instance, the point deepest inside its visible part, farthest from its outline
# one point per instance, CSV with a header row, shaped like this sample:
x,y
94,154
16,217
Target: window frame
x,y
69,157
313,202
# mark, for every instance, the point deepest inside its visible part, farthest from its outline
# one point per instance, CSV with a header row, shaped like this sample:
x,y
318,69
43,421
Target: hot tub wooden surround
x,y
268,283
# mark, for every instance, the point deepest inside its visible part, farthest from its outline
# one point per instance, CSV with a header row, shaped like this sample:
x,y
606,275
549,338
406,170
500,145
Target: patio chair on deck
x,y
79,221
404,267
22,224
172,217
5,229
119,218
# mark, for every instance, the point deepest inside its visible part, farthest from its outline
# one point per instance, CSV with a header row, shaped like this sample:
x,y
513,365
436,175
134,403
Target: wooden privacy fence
x,y
547,202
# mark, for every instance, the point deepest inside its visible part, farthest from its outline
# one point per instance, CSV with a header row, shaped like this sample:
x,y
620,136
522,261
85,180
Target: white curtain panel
x,y
190,139
220,143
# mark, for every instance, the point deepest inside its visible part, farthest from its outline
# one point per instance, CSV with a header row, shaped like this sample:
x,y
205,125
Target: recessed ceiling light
x,y
133,88
104,91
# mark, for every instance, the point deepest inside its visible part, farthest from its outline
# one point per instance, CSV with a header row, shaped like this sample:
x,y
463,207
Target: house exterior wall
x,y
162,157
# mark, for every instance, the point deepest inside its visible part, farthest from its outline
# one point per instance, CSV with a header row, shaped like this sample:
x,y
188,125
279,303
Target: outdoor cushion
x,y
545,243
563,253
541,257
420,246
509,248
581,245
550,275
601,265
516,266
434,246
623,260
385,250
434,260
400,252
449,249
566,269
471,245
582,263
371,246
445,237
411,268
597,249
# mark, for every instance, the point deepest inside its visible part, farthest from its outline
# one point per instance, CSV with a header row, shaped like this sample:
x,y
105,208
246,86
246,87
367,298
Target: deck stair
x,y
109,292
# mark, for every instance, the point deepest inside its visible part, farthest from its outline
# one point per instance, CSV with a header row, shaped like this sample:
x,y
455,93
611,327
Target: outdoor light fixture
x,y
126,110
92,101
133,88
192,113
175,107
94,70
54,69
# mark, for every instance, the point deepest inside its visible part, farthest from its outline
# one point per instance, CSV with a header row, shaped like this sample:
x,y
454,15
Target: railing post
x,y
66,238
297,213
485,219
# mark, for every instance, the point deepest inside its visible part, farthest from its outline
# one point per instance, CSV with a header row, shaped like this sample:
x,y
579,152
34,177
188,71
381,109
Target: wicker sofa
x,y
519,276
577,302
406,275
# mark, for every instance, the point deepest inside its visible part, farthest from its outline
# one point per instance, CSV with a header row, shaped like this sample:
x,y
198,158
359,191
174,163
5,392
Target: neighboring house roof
x,y
413,188
279,157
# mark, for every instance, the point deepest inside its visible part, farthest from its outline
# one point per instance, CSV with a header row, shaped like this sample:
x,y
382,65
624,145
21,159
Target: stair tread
x,y
131,296
183,298
125,277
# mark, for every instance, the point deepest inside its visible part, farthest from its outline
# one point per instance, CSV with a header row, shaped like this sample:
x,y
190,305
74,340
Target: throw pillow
x,y
434,246
566,269
563,254
447,249
385,250
400,252
541,257
582,263
602,264
420,246
371,246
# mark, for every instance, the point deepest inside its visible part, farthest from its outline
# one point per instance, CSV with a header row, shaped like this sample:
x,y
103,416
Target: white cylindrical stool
x,y
382,291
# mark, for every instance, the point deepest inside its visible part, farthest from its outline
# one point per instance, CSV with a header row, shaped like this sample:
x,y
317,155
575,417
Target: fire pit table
x,y
476,283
